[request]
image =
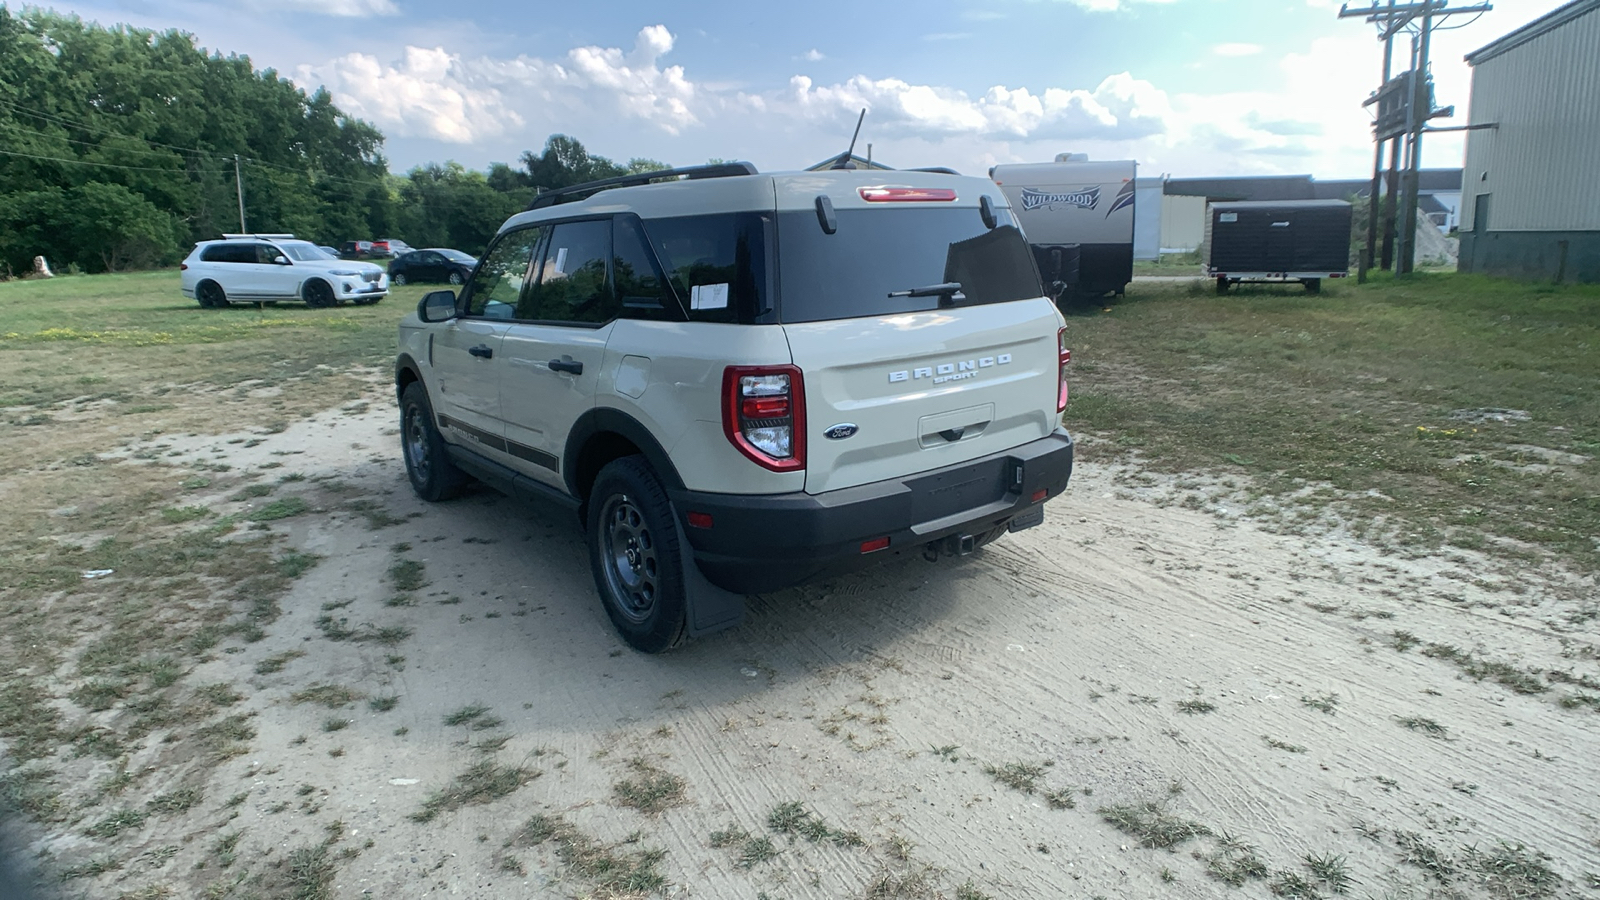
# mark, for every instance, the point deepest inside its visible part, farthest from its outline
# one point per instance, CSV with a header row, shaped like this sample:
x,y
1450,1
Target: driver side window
x,y
497,285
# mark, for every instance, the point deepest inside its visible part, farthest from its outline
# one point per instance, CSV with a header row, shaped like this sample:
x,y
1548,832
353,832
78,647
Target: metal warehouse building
x,y
1531,184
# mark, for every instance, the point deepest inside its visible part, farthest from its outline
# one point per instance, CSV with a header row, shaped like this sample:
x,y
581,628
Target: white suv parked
x,y
743,381
272,267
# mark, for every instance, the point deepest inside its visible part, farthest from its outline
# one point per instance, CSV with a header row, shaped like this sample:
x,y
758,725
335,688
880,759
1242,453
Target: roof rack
x,y
264,237
715,170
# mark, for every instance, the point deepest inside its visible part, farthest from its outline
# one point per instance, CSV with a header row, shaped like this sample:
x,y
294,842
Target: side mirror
x,y
438,306
282,260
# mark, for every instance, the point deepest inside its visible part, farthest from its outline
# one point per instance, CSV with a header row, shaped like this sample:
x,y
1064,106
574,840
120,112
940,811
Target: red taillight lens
x,y
1065,356
764,407
183,267
903,194
763,414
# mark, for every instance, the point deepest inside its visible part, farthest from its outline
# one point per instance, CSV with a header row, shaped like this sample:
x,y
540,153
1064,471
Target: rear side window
x,y
572,284
876,252
641,287
716,264
229,253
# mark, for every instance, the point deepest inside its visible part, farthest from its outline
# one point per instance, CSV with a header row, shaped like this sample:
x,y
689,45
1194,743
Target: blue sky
x,y
1188,87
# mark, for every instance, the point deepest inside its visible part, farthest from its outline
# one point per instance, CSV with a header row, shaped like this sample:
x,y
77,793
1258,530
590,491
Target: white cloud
x,y
350,8
1236,49
813,55
1120,107
1111,5
432,93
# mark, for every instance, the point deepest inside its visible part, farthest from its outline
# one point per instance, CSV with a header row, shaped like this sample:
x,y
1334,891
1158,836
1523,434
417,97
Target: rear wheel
x,y
210,295
318,294
433,476
635,556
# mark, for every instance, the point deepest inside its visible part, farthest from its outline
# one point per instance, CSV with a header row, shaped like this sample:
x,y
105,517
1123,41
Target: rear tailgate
x,y
925,390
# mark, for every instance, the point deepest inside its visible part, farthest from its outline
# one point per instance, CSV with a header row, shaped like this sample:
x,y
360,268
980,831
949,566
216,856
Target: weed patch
x,y
483,782
650,790
1152,825
794,820
608,870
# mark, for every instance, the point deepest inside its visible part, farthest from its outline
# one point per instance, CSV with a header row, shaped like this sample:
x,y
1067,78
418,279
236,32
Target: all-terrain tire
x,y
635,556
433,476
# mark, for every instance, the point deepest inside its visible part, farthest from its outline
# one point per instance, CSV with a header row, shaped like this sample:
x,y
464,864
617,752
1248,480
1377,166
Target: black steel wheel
x,y
433,476
210,295
318,294
635,556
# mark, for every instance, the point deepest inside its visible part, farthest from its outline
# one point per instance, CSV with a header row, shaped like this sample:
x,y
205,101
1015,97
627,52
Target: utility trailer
x,y
1277,242
1078,217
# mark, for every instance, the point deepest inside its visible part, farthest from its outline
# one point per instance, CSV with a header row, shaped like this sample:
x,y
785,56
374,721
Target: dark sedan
x,y
438,264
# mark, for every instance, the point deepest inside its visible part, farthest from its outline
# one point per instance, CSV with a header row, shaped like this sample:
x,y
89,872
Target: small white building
x,y
1531,184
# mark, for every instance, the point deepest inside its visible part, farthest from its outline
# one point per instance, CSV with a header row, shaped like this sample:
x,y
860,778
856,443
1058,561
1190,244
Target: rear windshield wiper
x,y
930,290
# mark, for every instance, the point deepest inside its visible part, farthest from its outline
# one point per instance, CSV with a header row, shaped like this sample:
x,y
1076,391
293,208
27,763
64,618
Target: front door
x,y
467,358
555,350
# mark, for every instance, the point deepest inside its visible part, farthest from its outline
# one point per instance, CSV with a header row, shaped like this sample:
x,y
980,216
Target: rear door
x,y
555,350
926,381
466,351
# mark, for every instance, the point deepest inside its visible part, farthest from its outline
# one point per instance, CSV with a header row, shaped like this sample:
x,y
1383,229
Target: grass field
x,y
1445,409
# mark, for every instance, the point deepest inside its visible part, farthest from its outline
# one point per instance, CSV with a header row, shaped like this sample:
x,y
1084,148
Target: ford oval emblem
x,y
840,431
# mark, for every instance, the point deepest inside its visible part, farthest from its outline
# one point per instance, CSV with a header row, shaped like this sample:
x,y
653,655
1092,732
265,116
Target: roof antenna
x,y
843,162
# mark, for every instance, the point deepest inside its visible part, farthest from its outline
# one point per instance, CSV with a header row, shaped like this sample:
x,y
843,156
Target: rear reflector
x,y
1040,495
699,520
875,545
903,194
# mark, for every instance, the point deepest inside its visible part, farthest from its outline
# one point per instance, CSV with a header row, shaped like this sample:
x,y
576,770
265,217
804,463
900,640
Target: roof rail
x,y
714,170
940,170
262,236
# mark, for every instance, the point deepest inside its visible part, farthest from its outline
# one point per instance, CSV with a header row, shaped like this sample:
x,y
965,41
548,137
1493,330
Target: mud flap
x,y
710,608
1027,518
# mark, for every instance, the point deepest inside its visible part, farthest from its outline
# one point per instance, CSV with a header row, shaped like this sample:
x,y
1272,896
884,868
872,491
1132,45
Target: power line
x,y
85,162
70,123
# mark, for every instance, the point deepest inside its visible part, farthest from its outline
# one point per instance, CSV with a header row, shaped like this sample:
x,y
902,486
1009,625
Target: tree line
x,y
120,147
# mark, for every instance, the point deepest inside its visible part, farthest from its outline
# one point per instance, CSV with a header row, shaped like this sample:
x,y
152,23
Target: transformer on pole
x,y
1402,106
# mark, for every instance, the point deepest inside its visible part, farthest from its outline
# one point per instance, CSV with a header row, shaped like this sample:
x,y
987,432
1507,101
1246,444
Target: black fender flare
x,y
402,365
604,419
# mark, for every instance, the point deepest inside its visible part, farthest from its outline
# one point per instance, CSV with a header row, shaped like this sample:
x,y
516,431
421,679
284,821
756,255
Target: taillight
x,y
878,194
1064,356
764,414
183,267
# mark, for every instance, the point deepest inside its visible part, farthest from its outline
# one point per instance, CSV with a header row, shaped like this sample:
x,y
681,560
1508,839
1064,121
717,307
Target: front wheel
x,y
455,278
635,556
318,294
398,278
433,476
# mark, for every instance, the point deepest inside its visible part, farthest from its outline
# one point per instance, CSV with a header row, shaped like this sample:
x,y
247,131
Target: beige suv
x,y
742,381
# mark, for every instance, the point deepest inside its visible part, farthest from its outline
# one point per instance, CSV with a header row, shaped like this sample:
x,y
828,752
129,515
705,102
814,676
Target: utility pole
x,y
1377,173
238,184
1404,107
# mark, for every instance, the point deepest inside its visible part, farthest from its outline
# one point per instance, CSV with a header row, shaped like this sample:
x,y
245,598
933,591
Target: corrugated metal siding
x,y
1543,162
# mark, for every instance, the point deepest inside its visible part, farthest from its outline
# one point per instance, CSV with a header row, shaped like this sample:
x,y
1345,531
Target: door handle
x,y
483,351
566,364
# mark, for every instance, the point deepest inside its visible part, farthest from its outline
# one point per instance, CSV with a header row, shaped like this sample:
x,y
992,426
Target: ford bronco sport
x,y
742,381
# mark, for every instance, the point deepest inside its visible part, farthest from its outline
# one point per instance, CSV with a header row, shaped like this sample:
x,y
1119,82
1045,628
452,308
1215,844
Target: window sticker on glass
x,y
561,262
709,296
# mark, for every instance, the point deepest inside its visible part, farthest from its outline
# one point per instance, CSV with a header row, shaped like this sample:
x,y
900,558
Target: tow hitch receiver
x,y
954,545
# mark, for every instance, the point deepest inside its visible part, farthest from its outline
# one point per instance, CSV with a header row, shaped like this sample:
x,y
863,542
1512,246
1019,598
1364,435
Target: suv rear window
x,y
851,273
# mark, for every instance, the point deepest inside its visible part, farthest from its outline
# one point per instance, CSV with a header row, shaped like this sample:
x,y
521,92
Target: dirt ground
x,y
1136,699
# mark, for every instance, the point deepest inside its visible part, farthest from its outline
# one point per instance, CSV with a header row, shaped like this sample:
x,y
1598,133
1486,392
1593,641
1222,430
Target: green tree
x,y
565,163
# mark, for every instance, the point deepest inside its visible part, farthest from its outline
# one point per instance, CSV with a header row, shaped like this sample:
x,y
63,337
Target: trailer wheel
x,y
1313,285
1222,285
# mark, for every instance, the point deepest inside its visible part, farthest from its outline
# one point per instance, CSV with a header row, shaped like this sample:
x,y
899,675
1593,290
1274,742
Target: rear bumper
x,y
760,543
